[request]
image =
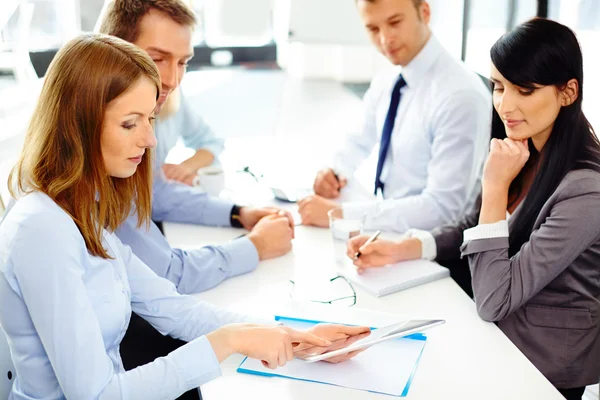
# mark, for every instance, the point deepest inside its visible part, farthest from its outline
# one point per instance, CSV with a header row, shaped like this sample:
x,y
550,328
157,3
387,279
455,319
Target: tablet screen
x,y
379,335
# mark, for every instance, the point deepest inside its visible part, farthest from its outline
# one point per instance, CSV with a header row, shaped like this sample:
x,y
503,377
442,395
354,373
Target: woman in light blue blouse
x,y
68,285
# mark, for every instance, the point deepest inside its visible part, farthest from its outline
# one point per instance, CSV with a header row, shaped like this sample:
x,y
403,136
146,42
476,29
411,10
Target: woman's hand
x,y
340,335
506,159
382,252
274,345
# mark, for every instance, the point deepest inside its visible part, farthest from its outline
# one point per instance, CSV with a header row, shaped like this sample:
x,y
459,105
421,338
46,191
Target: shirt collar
x,y
417,69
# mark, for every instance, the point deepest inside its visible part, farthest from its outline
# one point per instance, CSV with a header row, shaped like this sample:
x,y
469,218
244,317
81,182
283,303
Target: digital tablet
x,y
284,195
379,335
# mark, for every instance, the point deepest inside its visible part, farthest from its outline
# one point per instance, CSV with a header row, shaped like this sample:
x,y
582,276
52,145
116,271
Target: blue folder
x,y
415,336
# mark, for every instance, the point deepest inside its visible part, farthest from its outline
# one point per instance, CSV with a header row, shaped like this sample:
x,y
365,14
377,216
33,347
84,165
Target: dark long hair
x,y
541,52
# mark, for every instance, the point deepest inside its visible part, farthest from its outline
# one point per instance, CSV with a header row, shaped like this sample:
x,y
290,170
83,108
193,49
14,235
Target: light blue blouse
x,y
65,313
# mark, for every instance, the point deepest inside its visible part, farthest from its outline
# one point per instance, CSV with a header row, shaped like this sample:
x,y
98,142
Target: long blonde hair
x,y
62,155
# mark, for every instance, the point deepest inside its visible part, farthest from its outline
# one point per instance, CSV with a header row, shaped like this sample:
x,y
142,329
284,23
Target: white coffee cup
x,y
210,179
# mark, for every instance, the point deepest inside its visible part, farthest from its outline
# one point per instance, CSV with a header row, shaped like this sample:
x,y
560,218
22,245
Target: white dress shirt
x,y
65,313
481,231
438,146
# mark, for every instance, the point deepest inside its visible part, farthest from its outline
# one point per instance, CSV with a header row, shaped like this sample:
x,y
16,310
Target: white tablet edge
x,y
324,356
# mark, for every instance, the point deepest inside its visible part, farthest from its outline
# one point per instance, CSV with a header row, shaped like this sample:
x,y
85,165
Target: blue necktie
x,y
388,127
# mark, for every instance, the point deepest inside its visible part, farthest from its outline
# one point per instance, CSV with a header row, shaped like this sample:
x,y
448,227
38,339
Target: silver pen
x,y
369,241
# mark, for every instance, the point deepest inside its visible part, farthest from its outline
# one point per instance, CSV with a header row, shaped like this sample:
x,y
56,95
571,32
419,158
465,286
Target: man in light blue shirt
x,y
164,30
178,120
196,270
430,116
168,40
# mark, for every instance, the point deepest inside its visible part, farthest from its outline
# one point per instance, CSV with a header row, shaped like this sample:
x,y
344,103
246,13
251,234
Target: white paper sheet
x,y
395,277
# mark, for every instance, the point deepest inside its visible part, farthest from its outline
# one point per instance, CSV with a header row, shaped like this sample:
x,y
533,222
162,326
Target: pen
x,y
337,177
369,241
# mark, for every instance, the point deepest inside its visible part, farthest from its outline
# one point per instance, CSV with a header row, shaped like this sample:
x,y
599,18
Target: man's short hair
x,y
122,18
417,3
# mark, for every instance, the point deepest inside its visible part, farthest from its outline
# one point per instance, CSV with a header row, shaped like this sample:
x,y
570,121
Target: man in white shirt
x,y
431,117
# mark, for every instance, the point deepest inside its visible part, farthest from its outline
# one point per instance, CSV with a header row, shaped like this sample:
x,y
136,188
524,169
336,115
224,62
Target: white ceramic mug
x,y
210,179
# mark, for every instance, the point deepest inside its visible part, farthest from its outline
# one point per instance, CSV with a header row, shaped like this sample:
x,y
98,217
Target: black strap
x,y
234,218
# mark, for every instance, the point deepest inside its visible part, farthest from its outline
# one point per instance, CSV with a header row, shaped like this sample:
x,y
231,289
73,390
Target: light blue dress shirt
x,y
438,145
186,124
196,270
192,271
175,202
65,313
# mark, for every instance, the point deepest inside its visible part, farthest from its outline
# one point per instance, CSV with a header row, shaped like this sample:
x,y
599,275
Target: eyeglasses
x,y
254,175
339,285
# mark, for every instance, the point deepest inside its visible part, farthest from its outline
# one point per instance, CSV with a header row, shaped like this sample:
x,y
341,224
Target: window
x,y
231,23
54,22
487,21
583,16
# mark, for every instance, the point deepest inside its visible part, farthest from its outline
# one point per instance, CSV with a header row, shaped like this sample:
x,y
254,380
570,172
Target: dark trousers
x,y
572,394
143,344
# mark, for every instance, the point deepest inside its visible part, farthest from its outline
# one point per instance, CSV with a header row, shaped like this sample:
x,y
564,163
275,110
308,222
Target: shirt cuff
x,y
216,213
243,256
196,362
360,210
428,246
487,231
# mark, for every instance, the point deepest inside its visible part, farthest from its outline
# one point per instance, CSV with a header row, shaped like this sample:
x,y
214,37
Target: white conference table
x,y
466,358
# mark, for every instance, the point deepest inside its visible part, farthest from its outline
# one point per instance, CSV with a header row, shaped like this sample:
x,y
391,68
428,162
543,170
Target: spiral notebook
x,y
395,277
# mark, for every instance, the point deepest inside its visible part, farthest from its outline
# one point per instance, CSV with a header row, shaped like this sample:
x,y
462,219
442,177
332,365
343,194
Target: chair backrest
x,y
7,369
488,84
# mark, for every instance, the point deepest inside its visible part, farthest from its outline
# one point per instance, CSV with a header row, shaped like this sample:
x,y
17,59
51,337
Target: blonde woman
x,y
68,285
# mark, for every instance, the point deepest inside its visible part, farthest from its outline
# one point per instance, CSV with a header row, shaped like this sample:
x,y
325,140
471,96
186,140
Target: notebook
x,y
395,277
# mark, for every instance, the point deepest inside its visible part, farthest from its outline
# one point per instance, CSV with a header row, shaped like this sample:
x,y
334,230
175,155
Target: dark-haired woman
x,y
533,245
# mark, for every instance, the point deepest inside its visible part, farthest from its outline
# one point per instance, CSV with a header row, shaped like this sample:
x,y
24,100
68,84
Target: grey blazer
x,y
546,298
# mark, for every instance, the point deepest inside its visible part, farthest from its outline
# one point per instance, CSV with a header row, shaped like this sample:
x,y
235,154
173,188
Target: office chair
x,y
488,84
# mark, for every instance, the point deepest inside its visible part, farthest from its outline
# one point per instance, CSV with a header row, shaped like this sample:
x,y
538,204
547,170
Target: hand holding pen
x,y
368,242
366,253
329,183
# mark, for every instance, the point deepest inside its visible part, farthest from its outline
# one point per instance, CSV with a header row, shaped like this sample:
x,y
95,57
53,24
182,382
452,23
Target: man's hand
x,y
179,173
272,236
340,335
313,210
249,216
328,184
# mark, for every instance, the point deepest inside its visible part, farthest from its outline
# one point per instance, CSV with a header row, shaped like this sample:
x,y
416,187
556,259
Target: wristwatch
x,y
234,218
